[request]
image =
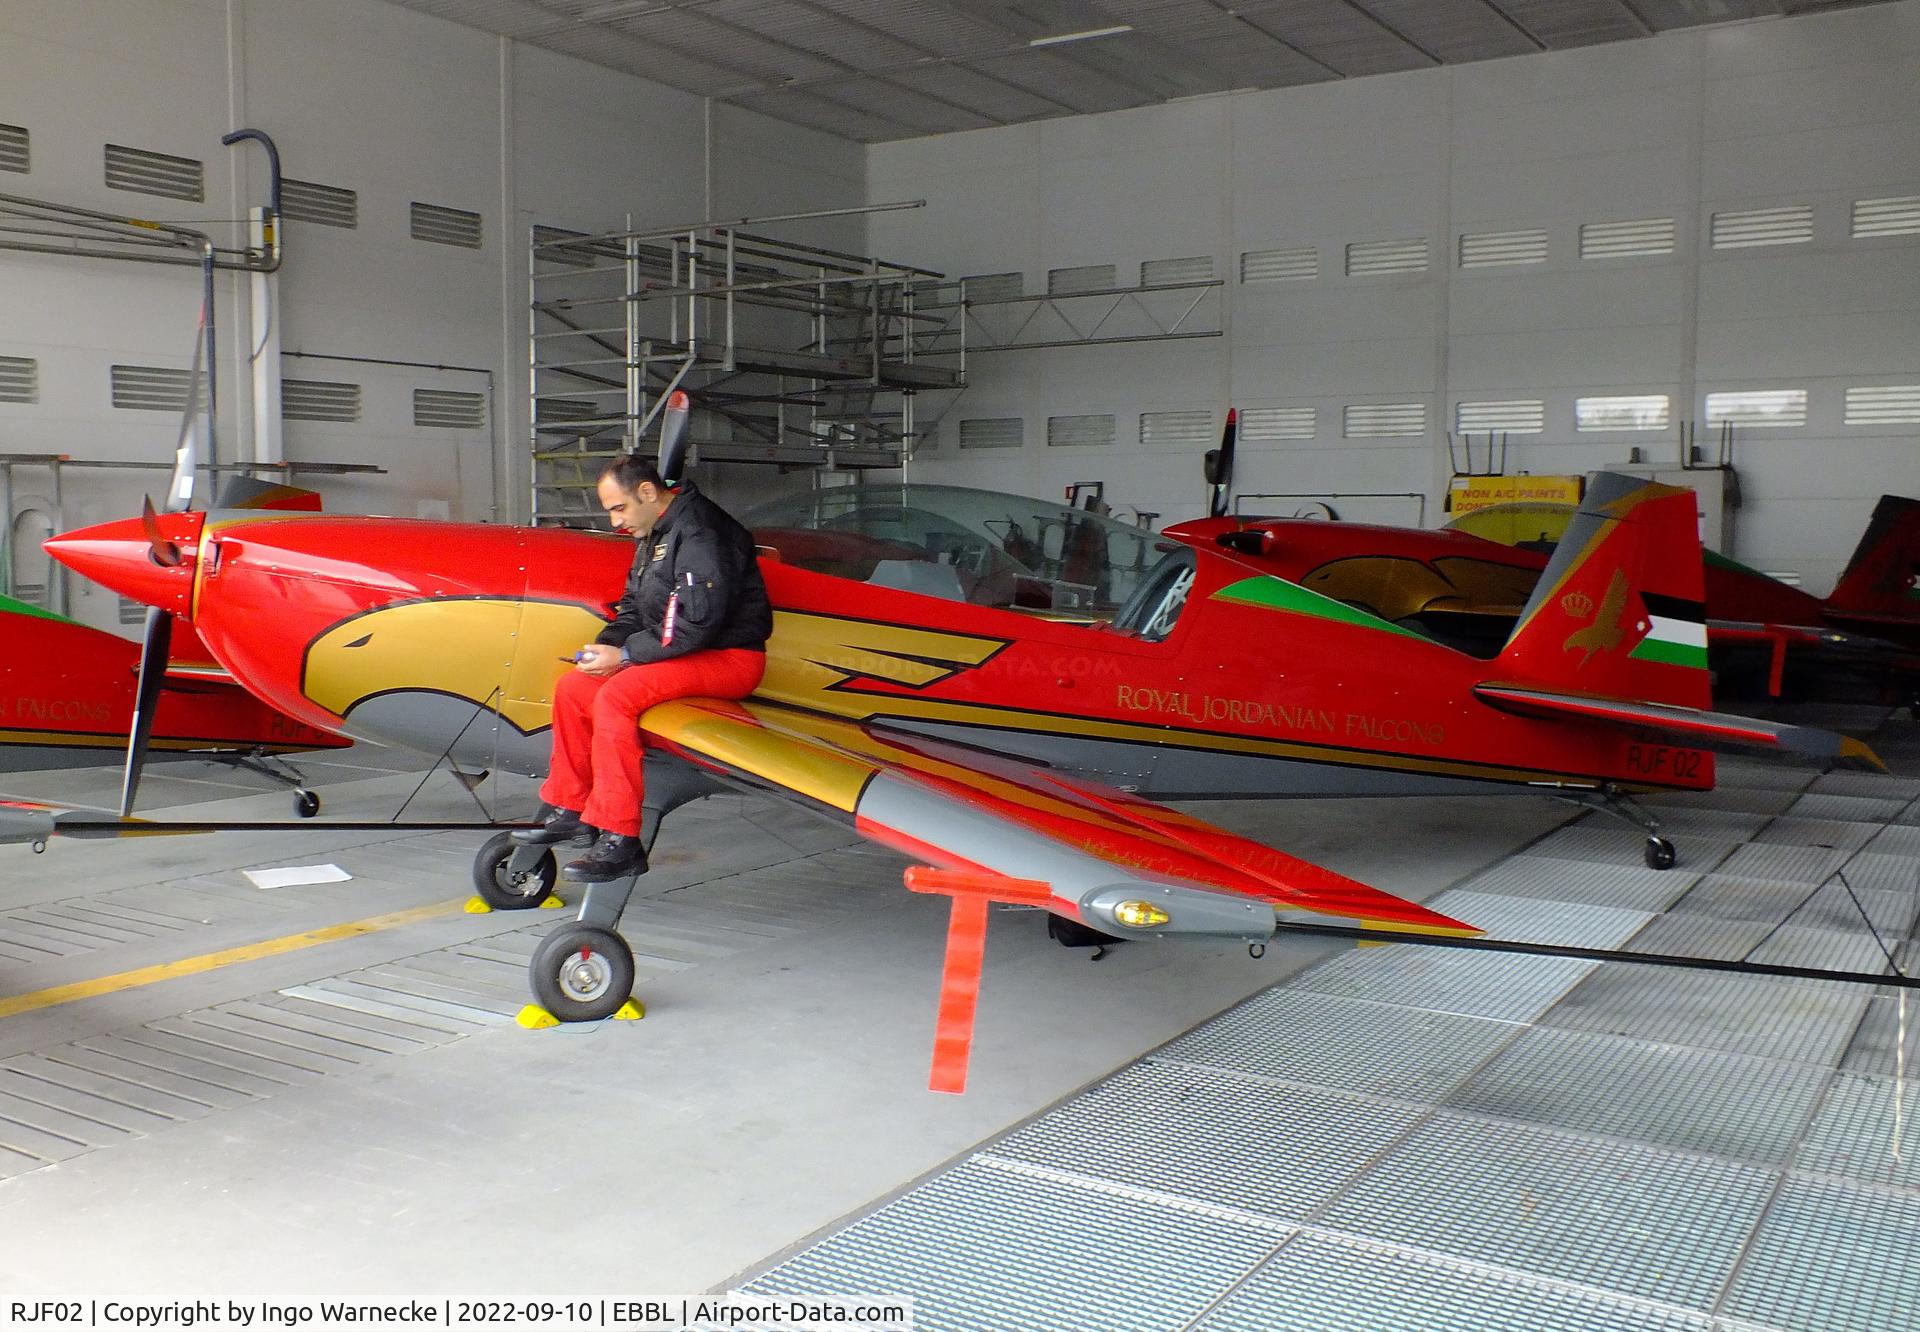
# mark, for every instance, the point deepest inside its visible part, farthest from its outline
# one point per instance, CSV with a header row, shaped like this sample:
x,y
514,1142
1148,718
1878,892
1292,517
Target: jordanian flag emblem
x,y
1676,632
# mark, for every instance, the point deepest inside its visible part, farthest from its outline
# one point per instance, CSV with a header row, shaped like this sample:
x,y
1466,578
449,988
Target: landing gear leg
x,y
1611,800
583,971
306,801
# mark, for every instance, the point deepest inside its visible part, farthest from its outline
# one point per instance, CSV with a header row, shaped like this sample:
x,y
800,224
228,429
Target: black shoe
x,y
614,856
556,825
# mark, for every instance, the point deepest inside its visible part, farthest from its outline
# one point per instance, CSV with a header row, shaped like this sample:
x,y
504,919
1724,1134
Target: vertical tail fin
x,y
1619,611
1883,577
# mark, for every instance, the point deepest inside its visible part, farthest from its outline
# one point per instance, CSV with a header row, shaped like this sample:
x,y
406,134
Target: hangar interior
x,y
1035,248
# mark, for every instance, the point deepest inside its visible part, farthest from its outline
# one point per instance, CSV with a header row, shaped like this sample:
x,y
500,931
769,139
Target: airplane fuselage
x,y
442,637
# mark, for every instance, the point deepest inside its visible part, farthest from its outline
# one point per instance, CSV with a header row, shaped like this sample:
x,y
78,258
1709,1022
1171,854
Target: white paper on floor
x,y
292,876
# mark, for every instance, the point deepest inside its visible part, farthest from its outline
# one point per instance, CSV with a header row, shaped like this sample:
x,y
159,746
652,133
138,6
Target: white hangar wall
x,y
1779,128
398,107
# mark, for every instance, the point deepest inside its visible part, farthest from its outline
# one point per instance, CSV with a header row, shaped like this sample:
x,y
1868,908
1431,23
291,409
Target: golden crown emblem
x,y
1577,604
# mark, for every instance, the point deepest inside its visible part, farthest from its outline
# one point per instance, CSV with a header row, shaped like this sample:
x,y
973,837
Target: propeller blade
x,y
1220,466
153,673
673,438
164,552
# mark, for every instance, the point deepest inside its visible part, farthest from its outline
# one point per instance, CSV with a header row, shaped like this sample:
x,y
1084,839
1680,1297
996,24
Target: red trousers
x,y
597,752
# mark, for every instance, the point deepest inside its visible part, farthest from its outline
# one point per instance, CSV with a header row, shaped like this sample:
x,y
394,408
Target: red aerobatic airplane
x,y
1466,590
68,691
1014,755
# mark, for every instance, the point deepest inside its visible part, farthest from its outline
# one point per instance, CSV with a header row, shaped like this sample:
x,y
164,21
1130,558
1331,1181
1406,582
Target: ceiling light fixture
x,y
1060,38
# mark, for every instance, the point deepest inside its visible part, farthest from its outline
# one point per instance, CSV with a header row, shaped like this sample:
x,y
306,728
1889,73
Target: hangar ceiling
x,y
874,70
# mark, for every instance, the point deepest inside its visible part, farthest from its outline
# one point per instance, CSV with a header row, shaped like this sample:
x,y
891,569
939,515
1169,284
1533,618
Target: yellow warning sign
x,y
1467,493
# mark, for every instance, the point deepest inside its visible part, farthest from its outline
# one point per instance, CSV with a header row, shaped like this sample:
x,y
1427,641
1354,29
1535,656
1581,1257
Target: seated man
x,y
694,622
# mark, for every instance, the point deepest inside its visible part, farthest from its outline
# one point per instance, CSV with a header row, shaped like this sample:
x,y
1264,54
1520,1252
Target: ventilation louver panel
x,y
1280,265
994,286
565,256
1176,429
132,612
1638,238
328,205
150,388
449,409
1379,258
1495,249
1763,226
1887,217
1385,420
444,226
1640,411
1087,277
146,172
1260,424
1514,416
1758,407
992,432
1070,430
319,400
1885,404
19,379
1169,272
15,151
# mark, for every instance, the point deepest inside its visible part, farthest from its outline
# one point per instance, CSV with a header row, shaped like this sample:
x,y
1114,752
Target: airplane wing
x,y
1688,726
991,829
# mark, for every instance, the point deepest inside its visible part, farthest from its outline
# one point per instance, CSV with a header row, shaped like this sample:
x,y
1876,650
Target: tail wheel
x,y
306,803
582,973
1660,853
502,887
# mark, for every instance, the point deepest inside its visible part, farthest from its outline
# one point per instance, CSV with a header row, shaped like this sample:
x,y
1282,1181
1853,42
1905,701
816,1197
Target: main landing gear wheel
x,y
1660,853
582,973
501,886
306,803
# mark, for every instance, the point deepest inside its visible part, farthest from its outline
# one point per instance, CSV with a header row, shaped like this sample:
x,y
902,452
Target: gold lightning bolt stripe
x,y
810,657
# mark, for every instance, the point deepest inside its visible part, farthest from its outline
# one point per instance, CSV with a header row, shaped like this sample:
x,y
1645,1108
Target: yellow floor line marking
x,y
226,957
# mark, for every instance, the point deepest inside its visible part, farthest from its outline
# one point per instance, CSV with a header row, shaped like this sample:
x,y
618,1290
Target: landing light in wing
x,y
1141,915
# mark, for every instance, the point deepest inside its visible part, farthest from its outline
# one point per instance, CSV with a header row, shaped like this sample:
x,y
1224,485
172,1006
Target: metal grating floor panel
x,y
1825,950
1658,1224
1874,785
1690,1100
1024,1256
1342,1283
1832,834
1898,840
1783,864
1624,887
1752,800
1373,1048
1874,1046
1503,987
1762,774
1832,1257
1540,919
1855,1132
1853,808
1800,1021
1215,1138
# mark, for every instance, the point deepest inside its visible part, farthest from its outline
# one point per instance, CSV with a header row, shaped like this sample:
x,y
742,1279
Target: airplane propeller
x,y
1219,466
157,640
672,459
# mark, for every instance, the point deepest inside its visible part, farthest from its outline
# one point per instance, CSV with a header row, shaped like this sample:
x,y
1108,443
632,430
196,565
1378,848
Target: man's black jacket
x,y
700,552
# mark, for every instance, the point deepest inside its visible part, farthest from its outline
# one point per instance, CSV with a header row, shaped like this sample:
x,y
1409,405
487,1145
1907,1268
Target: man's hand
x,y
598,659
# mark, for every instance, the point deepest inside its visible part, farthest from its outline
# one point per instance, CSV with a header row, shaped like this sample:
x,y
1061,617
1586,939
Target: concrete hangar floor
x,y
1169,1139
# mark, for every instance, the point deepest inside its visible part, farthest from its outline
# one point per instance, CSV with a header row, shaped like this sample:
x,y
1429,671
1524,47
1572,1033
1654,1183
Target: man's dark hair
x,y
630,469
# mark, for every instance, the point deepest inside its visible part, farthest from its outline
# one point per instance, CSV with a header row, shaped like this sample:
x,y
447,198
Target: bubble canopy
x,y
980,546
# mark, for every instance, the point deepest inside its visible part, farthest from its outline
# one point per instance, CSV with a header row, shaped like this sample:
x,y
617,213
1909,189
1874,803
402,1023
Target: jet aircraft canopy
x,y
980,546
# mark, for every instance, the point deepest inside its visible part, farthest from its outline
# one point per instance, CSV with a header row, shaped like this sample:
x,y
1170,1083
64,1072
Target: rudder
x,y
1619,611
1883,577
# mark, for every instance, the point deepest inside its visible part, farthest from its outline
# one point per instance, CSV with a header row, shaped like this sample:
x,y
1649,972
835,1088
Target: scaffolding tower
x,y
792,354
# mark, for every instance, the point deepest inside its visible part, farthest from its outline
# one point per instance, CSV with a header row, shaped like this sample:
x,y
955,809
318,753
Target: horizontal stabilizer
x,y
1682,725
